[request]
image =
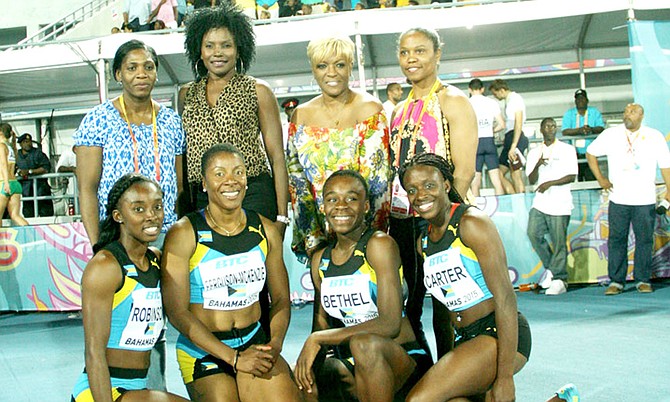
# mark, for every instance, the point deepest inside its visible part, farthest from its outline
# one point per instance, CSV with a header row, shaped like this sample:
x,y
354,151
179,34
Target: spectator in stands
x,y
289,8
361,5
515,142
633,152
182,11
30,162
131,133
136,15
115,30
67,163
490,121
197,4
165,11
419,127
10,188
267,9
582,120
353,124
553,166
158,25
306,9
394,93
331,8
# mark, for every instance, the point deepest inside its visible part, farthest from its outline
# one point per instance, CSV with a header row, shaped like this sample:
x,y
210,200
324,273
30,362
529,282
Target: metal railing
x,y
59,27
59,194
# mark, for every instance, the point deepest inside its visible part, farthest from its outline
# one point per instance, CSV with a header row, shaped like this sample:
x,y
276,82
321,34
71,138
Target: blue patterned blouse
x,y
105,128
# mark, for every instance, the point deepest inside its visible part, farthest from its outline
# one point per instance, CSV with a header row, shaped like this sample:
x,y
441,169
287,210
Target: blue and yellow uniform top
x,y
137,310
451,271
227,273
349,291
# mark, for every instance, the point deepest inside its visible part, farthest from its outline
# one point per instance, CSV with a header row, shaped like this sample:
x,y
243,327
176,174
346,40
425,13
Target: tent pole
x,y
102,80
361,65
582,76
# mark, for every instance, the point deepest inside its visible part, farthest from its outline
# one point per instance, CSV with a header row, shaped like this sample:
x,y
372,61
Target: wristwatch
x,y
284,219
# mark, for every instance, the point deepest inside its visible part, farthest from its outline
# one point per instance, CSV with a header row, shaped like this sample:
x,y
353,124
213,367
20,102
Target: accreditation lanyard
x,y
629,134
417,124
155,137
585,118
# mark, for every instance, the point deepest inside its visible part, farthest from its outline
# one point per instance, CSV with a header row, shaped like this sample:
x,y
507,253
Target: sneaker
x,y
545,279
569,393
644,287
614,289
557,287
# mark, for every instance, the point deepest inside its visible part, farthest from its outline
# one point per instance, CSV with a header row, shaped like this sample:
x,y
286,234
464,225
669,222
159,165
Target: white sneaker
x,y
557,287
545,279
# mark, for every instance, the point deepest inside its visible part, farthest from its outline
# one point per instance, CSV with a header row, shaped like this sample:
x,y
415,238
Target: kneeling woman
x,y
465,270
217,261
359,283
122,277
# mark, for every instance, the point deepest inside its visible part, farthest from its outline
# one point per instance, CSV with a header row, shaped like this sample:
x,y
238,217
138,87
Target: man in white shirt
x,y
633,152
516,143
67,163
553,166
489,121
394,94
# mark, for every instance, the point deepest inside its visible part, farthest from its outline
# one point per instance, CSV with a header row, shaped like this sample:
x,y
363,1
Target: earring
x,y
204,190
118,83
246,187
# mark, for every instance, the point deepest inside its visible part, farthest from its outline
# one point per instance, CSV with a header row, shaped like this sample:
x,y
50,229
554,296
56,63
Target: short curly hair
x,y
224,16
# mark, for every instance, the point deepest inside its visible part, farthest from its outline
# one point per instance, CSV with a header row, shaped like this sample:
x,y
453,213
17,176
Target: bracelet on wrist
x,y
237,356
284,219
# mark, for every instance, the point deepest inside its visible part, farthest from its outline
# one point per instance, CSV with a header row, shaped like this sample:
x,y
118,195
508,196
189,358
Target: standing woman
x,y
339,129
121,279
217,261
131,133
465,271
358,309
435,118
10,188
224,105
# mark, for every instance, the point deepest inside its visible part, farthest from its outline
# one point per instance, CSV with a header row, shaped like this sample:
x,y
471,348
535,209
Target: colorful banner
x,y
41,266
650,63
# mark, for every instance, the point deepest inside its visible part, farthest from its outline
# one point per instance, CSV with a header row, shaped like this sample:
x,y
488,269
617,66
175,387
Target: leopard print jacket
x,y
234,120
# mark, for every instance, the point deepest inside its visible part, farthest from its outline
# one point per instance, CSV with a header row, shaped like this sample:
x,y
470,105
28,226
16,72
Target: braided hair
x,y
439,163
226,16
110,230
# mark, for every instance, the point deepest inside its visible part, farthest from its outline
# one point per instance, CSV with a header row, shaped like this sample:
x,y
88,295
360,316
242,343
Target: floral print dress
x,y
313,153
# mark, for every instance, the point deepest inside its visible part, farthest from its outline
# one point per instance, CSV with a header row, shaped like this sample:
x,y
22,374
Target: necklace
x,y
228,232
336,119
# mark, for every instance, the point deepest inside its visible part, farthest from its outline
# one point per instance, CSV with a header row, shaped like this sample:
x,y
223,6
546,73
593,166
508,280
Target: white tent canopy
x,y
488,39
